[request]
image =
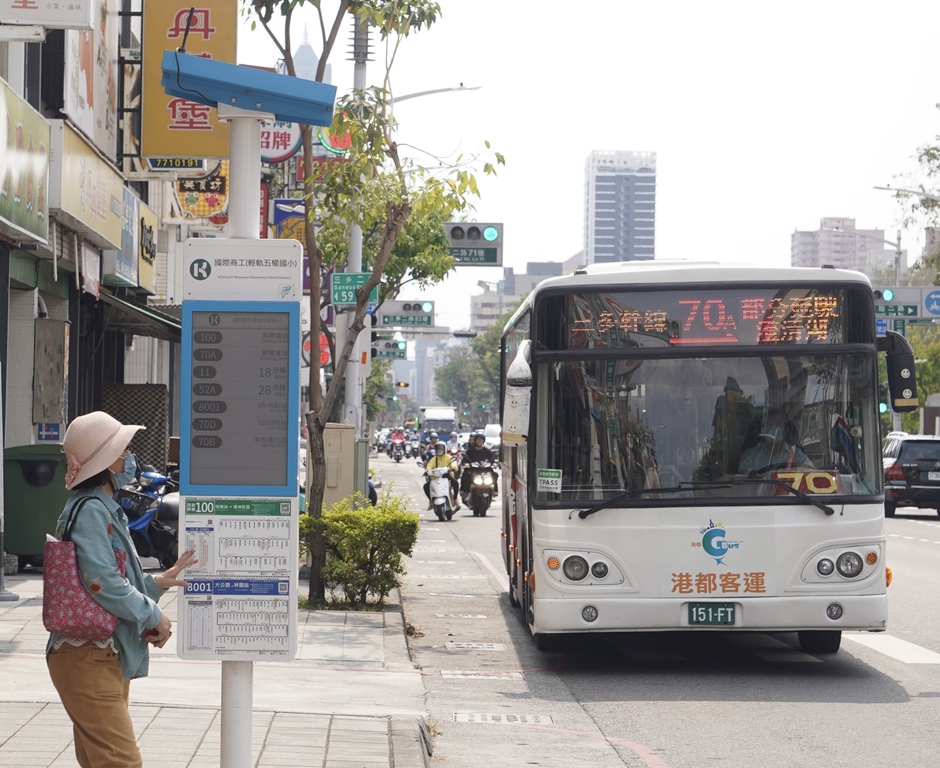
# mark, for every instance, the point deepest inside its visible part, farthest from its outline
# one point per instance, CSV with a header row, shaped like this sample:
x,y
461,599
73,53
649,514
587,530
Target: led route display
x,y
658,318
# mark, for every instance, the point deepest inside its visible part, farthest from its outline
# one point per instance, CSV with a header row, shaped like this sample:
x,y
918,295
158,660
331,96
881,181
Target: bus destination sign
x,y
803,315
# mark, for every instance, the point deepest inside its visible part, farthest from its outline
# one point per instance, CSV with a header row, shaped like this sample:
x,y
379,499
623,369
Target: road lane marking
x,y
501,578
895,648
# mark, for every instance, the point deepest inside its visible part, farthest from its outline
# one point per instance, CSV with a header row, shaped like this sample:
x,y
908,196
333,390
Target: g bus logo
x,y
200,269
715,542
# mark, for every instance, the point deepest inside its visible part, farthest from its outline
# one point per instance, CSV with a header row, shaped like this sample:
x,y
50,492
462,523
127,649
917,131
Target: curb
x,y
410,743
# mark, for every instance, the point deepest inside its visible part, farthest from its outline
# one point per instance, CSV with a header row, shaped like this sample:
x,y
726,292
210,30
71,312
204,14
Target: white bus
x,y
697,447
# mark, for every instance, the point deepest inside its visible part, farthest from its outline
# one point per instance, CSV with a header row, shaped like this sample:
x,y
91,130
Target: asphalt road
x,y
664,700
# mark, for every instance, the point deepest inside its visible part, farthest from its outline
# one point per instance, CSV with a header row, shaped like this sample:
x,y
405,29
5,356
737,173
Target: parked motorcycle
x,y
439,491
482,486
151,505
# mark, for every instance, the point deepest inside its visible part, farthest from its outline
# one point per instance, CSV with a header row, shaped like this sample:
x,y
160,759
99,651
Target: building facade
x,y
619,206
838,243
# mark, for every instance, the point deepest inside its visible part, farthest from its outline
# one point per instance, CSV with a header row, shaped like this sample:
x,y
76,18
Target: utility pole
x,y
353,385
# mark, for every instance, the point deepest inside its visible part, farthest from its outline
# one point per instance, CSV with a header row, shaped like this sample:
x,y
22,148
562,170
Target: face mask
x,y
130,471
773,434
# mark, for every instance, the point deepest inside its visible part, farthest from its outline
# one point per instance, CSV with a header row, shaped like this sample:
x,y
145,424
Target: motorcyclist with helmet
x,y
429,448
440,458
453,443
476,451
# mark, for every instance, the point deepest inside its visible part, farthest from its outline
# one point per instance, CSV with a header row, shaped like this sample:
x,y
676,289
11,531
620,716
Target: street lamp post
x,y
896,244
918,193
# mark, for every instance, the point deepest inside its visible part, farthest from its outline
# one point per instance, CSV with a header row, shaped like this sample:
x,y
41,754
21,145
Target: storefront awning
x,y
122,315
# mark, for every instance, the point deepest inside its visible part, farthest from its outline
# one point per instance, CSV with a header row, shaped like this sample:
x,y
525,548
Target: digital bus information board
x,y
242,383
239,504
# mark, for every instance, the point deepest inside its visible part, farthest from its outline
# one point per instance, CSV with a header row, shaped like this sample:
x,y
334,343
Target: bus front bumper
x,y
764,614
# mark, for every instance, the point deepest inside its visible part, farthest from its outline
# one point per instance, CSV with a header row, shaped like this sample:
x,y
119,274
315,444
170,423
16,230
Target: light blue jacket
x,y
100,528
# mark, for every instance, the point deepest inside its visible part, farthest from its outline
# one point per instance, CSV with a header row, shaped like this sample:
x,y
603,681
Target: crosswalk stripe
x,y
895,648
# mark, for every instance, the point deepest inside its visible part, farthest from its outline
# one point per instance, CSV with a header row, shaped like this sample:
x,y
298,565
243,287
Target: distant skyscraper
x,y
619,206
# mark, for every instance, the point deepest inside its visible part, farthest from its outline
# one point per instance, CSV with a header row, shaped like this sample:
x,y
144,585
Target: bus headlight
x,y
849,565
599,570
575,568
825,566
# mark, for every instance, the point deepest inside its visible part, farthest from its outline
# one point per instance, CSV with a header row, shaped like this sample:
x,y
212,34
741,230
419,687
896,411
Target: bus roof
x,y
627,274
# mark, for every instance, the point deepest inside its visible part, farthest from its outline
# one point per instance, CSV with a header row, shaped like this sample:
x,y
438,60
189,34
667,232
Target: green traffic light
x,y
490,233
887,294
882,407
427,306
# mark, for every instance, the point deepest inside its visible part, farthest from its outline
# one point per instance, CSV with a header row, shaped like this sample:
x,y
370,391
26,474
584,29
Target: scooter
x,y
151,536
482,486
398,450
439,491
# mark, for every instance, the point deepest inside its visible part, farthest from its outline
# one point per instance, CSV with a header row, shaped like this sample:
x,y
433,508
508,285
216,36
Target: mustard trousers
x,y
95,694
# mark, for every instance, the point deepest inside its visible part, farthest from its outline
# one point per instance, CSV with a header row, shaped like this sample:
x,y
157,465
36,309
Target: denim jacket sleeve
x,y
96,533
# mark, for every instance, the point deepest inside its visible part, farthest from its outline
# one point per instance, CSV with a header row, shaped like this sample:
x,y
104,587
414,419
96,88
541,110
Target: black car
x,y
912,472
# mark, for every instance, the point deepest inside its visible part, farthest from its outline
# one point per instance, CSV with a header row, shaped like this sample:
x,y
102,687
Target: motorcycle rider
x,y
397,436
440,458
476,451
429,448
453,443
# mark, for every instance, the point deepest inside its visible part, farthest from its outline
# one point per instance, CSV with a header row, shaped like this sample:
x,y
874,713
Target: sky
x,y
765,117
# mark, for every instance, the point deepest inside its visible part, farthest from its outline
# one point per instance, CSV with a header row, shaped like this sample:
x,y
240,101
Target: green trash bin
x,y
34,494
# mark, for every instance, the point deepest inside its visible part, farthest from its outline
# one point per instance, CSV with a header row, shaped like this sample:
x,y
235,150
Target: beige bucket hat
x,y
92,443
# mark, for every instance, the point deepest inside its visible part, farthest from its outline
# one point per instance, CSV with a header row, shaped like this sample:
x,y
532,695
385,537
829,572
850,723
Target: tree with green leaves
x,y
920,201
399,205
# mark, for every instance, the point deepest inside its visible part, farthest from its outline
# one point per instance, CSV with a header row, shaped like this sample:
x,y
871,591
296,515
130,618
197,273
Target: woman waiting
x,y
93,677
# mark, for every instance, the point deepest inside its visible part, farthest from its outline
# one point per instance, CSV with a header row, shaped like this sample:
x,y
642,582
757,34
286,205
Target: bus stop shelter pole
x,y
244,224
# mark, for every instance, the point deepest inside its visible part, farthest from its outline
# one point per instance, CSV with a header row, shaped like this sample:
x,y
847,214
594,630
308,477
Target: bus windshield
x,y
687,423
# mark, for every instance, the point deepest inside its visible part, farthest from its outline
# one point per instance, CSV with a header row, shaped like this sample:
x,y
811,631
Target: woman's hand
x,y
159,634
169,578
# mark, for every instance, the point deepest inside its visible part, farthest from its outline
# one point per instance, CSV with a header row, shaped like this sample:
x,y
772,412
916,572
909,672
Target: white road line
x,y
501,578
895,648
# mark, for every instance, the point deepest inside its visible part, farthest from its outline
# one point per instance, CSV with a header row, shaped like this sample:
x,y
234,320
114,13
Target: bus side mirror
x,y
516,401
902,381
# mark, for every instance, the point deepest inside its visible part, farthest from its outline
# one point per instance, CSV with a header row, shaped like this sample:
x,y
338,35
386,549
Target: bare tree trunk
x,y
316,482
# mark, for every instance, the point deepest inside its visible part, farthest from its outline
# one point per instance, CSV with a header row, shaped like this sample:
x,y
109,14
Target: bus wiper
x,y
787,487
685,486
707,486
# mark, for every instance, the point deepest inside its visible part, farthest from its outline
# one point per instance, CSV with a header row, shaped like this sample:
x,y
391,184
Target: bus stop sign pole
x,y
245,97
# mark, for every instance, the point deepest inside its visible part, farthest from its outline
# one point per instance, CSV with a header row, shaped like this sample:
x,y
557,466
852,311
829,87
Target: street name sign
x,y
345,284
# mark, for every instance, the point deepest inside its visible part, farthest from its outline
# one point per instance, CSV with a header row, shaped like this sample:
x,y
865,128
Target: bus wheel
x,y
820,640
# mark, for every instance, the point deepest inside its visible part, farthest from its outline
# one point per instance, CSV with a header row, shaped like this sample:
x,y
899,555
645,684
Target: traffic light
x,y
884,294
883,397
475,243
401,383
385,347
406,314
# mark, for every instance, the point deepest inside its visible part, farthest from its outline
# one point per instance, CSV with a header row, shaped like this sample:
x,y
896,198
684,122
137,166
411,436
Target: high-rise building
x,y
619,206
838,243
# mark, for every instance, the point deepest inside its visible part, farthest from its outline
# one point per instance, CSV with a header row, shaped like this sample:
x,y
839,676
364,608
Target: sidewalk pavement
x,y
351,698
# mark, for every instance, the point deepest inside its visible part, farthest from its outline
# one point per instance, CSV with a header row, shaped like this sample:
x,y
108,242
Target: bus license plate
x,y
711,613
